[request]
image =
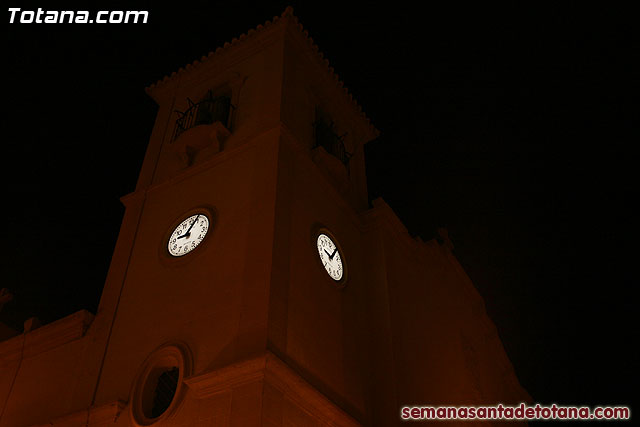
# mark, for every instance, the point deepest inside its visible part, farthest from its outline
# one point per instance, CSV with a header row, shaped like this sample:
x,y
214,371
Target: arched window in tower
x,y
210,109
326,136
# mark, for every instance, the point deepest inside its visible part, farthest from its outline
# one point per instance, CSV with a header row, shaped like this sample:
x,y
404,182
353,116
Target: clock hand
x,y
334,254
193,223
325,251
190,227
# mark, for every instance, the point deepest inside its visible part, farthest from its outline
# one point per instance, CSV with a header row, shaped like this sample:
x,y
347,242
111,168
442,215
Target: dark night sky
x,y
512,127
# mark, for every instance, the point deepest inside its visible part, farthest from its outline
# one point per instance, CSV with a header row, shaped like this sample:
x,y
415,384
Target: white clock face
x,y
330,257
188,235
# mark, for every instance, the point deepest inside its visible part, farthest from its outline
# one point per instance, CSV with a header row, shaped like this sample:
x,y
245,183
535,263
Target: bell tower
x,y
260,139
252,283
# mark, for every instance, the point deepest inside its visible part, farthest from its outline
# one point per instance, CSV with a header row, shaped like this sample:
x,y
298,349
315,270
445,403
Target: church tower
x,y
252,284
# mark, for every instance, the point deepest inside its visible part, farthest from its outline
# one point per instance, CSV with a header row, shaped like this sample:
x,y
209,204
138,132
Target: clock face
x,y
188,235
330,257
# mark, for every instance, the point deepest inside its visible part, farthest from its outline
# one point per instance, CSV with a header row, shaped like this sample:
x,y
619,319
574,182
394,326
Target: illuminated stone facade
x,y
248,328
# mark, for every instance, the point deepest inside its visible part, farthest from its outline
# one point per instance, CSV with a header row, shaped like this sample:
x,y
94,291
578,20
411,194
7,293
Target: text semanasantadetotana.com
x,y
17,15
521,412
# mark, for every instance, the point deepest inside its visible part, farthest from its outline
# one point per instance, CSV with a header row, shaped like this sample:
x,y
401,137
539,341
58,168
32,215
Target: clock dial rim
x,y
187,218
168,260
317,230
335,251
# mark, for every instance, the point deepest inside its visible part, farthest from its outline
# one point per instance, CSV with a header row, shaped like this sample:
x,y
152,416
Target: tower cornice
x,y
256,38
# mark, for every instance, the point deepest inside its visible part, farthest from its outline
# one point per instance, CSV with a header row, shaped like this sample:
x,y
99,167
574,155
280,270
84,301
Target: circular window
x,y
161,389
158,387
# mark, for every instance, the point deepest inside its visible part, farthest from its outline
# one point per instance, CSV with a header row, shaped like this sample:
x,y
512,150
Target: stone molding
x,y
47,337
99,416
270,369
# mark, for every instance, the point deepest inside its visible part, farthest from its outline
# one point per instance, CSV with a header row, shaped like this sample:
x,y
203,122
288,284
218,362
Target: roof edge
x,y
287,15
